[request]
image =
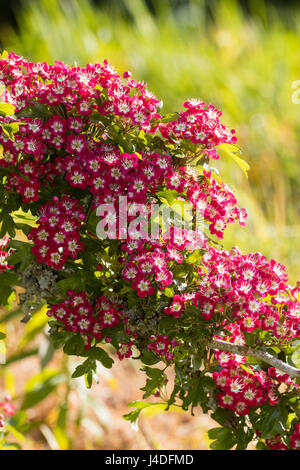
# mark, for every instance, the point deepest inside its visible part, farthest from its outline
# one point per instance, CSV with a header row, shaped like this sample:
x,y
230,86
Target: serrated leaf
x,y
149,358
87,366
100,355
22,255
232,151
272,420
74,345
7,225
224,438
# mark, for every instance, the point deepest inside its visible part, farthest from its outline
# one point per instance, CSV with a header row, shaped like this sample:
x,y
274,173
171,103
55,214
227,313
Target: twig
x,y
264,356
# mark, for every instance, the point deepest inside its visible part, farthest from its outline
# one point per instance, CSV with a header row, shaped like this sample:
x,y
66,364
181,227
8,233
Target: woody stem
x,y
264,356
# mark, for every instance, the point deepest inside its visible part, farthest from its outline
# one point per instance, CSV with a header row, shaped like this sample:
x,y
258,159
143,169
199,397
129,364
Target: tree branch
x,y
257,353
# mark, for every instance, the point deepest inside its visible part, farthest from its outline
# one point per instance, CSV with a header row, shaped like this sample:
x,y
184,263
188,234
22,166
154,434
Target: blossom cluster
x,y
200,124
79,315
244,387
4,254
162,346
125,350
148,265
59,84
8,408
242,390
57,237
216,202
63,142
251,289
295,437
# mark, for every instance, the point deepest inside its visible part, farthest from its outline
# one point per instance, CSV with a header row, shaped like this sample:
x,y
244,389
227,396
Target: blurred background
x,y
241,56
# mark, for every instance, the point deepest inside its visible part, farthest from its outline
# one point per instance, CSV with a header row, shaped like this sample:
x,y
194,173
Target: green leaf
x,y
142,136
10,129
19,436
35,326
169,292
222,415
149,358
170,117
132,416
224,438
8,280
101,356
261,446
168,196
87,366
196,395
74,345
60,338
89,379
47,355
272,420
92,222
156,379
72,283
232,151
139,405
22,255
24,227
8,225
38,110
20,355
218,433
295,357
6,109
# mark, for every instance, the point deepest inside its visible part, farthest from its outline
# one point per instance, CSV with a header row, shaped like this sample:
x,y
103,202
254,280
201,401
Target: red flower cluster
x,y
149,263
124,350
162,346
4,254
252,288
176,308
79,315
201,125
59,84
63,144
241,390
8,409
295,437
243,387
216,202
276,443
107,313
57,238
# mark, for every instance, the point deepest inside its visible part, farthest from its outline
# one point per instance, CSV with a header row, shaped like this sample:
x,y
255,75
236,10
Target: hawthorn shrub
x,y
87,159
